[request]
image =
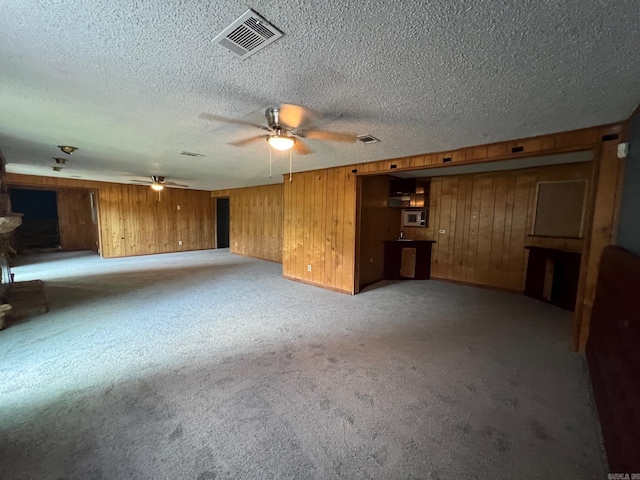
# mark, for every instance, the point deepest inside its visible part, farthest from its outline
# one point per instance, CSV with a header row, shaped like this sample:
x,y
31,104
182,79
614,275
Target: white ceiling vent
x,y
191,154
247,35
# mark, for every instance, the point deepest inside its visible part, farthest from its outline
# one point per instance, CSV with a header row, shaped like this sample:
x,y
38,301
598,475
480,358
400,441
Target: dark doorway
x,y
222,222
40,227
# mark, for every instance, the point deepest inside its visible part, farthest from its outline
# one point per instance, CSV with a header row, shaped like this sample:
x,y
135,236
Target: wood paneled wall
x,y
481,223
77,228
133,222
257,215
327,239
319,228
320,206
377,222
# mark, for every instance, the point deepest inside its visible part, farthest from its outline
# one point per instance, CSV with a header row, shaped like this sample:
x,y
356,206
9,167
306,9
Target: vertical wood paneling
x,y
322,206
486,219
340,247
257,220
77,230
132,221
497,272
348,253
338,216
474,228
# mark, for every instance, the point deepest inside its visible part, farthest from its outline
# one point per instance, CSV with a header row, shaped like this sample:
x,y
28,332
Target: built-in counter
x,y
407,259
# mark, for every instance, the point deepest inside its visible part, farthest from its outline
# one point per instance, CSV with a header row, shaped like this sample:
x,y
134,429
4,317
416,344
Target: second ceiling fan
x,y
287,125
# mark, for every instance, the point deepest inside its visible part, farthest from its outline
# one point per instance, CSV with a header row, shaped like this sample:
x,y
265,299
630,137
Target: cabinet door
x,y
408,264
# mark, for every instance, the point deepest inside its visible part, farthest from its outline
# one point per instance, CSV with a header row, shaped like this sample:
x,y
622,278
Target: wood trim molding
x,y
562,142
319,285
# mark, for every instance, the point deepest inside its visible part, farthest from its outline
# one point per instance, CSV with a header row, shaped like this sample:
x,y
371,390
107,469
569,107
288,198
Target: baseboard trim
x,y
319,285
479,285
256,257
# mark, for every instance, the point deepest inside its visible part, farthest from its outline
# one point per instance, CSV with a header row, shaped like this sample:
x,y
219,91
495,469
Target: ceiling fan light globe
x,y
157,187
281,143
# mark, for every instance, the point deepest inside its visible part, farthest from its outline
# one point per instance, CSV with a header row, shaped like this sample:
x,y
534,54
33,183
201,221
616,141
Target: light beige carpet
x,y
207,365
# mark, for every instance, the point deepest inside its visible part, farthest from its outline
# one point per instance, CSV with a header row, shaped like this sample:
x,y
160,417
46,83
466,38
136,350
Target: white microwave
x,y
414,217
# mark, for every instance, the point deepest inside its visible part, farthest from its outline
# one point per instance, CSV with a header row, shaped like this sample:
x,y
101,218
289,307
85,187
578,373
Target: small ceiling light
x,y
280,142
157,186
67,149
56,169
60,161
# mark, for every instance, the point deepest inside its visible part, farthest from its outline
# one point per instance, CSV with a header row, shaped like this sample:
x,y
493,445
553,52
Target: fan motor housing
x,y
273,117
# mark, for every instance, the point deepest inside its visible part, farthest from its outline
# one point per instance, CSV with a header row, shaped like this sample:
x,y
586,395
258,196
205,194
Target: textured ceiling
x,y
125,80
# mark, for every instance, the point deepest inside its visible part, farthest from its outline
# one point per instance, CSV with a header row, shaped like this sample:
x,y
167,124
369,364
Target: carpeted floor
x,y
206,365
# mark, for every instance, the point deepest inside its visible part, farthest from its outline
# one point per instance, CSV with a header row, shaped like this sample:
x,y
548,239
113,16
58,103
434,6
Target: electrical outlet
x,y
474,214
179,242
308,268
236,244
178,207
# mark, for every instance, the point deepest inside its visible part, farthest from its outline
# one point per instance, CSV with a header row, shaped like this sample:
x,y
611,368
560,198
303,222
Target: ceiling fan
x,y
287,124
158,183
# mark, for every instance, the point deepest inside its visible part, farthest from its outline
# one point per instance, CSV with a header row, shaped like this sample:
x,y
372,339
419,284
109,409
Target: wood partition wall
x,y
256,216
481,224
133,222
320,228
75,220
320,210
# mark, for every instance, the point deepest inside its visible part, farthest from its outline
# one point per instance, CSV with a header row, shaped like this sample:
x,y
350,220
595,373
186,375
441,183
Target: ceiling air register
x,y
247,35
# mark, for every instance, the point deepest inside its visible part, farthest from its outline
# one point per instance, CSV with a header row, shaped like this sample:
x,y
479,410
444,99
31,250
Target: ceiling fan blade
x,y
295,116
174,184
246,141
330,136
142,181
233,121
301,148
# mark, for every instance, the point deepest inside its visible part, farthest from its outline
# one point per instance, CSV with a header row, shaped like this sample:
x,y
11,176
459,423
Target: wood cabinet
x,y
552,276
407,260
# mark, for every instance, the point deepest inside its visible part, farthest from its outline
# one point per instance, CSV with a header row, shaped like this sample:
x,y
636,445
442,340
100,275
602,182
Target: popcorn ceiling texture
x,y
125,80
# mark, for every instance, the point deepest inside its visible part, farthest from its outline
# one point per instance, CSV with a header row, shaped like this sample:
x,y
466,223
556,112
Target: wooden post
x,y
601,231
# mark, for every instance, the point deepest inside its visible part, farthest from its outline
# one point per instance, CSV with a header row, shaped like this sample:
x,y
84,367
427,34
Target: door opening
x,y
222,222
40,227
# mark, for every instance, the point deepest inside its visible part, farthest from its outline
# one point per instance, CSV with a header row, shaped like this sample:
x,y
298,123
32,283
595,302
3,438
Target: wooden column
x,y
601,231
